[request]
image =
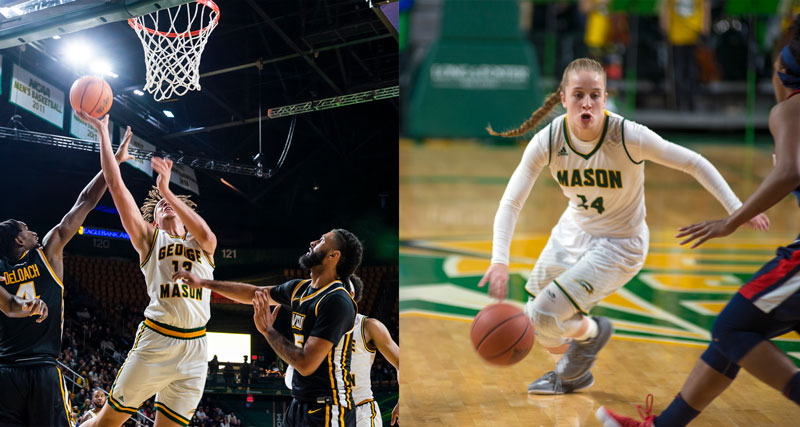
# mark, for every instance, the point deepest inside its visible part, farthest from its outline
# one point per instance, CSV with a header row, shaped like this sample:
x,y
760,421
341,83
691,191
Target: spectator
x,y
683,22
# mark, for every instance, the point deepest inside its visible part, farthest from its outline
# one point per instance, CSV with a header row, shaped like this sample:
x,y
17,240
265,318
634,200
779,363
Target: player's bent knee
x,y
717,361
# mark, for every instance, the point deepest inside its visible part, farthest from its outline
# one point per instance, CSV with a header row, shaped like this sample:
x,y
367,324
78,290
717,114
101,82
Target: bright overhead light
x,y
78,53
56,37
138,92
169,114
103,68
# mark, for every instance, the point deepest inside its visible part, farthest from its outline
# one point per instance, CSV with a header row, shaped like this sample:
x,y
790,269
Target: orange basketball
x,y
92,95
502,334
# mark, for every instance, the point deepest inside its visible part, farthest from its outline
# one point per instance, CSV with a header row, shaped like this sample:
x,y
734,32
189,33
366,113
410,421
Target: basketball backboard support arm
x,y
69,17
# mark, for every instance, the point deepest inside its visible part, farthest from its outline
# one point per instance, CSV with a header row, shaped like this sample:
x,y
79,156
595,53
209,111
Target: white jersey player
x,y
601,240
169,355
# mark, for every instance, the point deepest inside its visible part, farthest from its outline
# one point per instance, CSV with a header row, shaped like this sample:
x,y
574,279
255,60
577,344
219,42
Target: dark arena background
x,y
293,133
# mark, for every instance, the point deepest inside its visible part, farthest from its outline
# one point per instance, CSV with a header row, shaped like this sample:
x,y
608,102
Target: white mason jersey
x,y
175,303
604,185
361,364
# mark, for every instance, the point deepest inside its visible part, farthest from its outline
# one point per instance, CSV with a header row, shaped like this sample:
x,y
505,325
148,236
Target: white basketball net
x,y
172,55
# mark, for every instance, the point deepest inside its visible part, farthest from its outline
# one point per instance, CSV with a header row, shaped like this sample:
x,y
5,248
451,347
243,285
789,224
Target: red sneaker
x,y
610,419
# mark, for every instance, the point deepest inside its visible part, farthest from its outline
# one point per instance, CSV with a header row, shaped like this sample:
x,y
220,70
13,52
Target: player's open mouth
x,y
586,117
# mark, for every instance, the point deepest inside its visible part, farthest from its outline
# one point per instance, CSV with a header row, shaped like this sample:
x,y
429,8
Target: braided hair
x,y
153,197
9,230
553,99
352,250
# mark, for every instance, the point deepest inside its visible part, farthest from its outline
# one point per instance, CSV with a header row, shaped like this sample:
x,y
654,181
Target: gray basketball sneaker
x,y
551,383
579,358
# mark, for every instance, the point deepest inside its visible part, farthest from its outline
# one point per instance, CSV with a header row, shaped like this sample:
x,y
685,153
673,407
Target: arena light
x,y
78,53
56,37
137,92
103,68
168,114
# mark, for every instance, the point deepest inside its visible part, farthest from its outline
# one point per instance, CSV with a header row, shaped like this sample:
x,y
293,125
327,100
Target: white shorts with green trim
x,y
368,414
587,268
173,369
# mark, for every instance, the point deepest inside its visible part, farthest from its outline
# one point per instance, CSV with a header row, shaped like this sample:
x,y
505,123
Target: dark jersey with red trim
x,y
328,313
22,340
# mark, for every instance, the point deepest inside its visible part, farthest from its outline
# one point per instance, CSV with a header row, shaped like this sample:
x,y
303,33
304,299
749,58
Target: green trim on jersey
x,y
596,147
570,299
549,143
622,132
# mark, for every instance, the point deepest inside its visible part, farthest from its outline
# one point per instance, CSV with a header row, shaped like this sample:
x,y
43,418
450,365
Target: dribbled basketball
x,y
92,95
502,334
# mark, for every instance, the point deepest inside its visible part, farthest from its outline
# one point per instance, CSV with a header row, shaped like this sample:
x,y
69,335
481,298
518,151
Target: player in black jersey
x,y
323,315
14,306
32,390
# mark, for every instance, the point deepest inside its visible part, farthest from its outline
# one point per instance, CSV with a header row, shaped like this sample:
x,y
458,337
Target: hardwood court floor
x,y
444,383
449,193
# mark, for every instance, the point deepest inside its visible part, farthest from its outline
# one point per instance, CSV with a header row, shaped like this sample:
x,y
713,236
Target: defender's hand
x,y
36,307
703,231
190,279
163,168
122,154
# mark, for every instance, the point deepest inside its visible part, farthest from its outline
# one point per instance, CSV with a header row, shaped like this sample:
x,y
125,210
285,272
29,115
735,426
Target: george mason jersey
x,y
363,357
328,313
171,303
22,340
605,186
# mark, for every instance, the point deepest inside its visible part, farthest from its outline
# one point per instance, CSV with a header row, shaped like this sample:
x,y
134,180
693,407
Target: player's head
x,y
14,235
786,73
582,90
356,288
338,249
98,398
157,210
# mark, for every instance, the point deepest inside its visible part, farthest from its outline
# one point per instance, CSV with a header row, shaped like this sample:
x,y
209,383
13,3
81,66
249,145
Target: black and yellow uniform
x,y
31,387
323,398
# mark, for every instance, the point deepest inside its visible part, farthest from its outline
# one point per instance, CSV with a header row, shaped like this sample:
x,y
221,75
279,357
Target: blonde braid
x,y
549,104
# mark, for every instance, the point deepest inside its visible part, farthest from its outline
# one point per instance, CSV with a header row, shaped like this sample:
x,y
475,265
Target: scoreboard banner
x,y
37,96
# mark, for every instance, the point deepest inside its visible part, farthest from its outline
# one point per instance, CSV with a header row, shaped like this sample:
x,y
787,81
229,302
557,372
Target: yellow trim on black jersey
x,y
150,251
323,297
364,337
296,287
67,406
347,387
308,297
173,332
327,415
49,268
333,380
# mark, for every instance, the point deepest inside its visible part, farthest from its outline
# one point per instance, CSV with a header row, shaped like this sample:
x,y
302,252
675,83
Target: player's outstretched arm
x,y
305,358
378,334
61,234
13,306
141,232
191,219
239,292
783,178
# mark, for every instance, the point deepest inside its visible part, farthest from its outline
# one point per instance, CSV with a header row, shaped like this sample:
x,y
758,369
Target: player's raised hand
x,y
395,413
122,154
191,279
163,168
99,124
703,231
36,307
497,276
759,222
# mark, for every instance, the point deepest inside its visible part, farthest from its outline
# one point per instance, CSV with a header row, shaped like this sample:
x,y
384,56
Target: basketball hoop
x,y
173,45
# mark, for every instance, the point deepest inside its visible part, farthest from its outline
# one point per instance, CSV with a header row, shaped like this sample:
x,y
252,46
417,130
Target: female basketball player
x,y
168,358
601,240
769,304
